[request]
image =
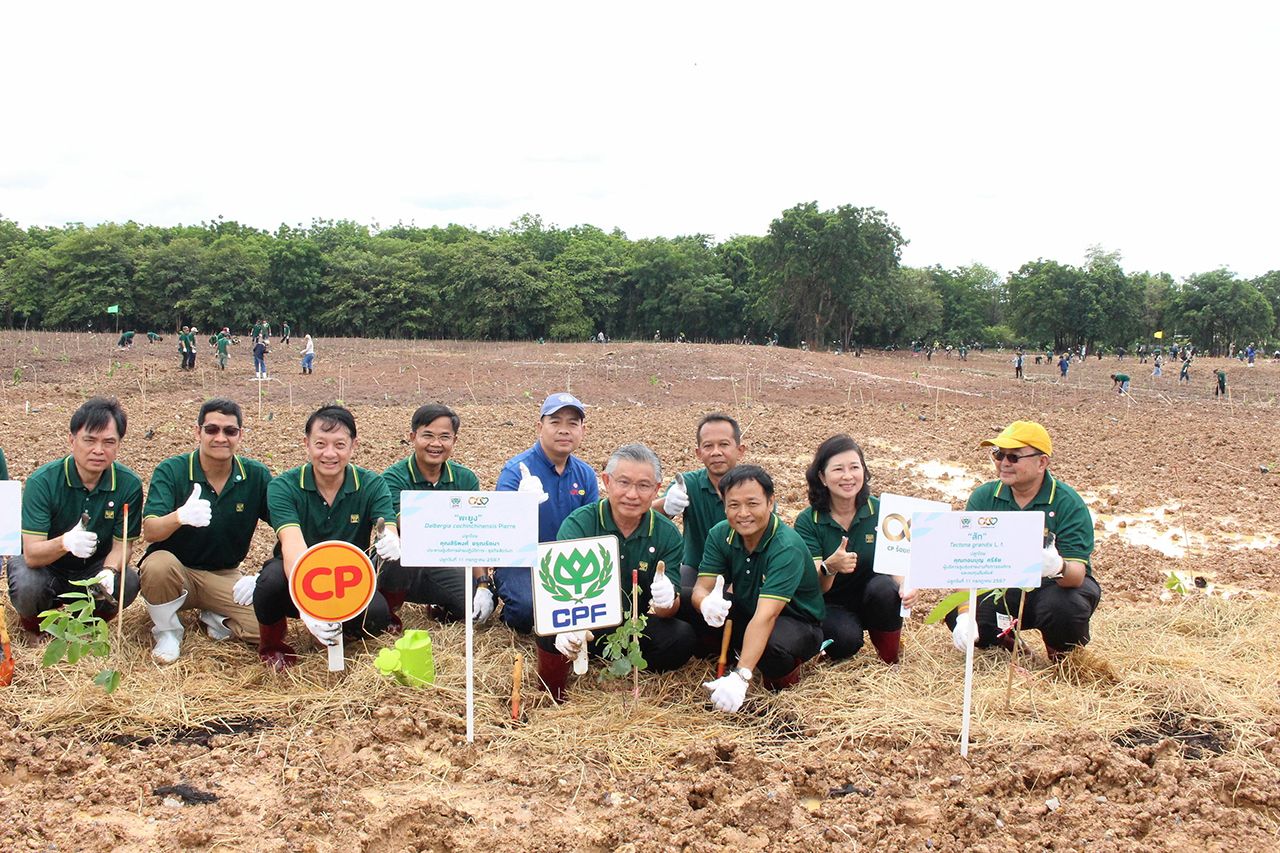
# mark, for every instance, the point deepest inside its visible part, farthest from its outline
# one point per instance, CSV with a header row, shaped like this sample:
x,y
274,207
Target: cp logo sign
x,y
333,581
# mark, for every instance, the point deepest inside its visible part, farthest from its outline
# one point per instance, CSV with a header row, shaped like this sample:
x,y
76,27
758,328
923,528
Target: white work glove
x,y
326,632
965,631
677,500
80,542
662,592
727,693
107,580
482,604
530,483
196,512
715,609
387,546
573,643
1051,567
242,592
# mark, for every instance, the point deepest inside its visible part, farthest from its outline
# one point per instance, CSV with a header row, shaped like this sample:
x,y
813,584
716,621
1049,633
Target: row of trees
x,y
816,275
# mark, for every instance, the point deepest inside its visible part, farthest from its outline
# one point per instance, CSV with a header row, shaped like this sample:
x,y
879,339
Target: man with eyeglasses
x,y
1068,594
73,521
433,432
646,540
201,513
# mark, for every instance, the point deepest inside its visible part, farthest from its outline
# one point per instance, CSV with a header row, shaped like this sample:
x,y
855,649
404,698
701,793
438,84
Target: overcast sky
x,y
989,132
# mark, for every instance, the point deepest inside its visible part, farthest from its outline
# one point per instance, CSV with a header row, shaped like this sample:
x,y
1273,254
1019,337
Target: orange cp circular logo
x,y
333,581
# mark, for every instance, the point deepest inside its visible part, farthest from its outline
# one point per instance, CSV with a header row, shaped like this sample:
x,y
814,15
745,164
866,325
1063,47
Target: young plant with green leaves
x,y
77,632
622,649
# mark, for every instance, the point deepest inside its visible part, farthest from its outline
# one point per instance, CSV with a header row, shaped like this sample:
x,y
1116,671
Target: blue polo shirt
x,y
574,488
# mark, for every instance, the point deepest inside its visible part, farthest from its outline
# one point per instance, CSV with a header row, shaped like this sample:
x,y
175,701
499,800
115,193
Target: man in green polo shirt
x,y
1068,594
433,432
223,344
285,332
648,542
57,547
326,499
182,347
696,496
201,513
777,606
1120,382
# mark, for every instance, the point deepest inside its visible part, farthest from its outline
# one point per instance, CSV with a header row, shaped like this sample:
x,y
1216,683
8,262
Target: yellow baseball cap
x,y
1022,434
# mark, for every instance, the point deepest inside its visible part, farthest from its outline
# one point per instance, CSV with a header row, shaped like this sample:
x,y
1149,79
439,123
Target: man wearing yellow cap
x,y
1068,593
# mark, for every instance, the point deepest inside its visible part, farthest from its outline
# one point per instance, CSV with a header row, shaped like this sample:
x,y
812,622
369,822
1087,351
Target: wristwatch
x,y
743,673
824,570
484,580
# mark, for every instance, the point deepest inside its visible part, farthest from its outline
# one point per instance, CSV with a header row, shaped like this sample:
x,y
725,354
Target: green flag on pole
x,y
113,309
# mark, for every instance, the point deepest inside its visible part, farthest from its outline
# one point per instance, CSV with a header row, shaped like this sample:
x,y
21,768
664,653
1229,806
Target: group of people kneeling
x,y
786,592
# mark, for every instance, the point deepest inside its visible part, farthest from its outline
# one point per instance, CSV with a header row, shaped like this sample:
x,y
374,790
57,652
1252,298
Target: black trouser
x,y
272,602
32,591
442,586
792,642
666,644
1060,614
857,607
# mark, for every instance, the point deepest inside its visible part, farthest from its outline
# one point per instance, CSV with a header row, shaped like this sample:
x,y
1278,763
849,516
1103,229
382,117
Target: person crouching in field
x,y
328,498
58,546
1068,594
839,529
201,513
777,608
647,541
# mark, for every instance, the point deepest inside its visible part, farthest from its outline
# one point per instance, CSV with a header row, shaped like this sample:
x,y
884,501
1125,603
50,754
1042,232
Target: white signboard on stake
x,y
454,531
10,518
576,586
468,528
976,550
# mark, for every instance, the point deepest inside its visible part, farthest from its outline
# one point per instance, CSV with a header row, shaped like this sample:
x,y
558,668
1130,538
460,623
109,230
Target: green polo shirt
x,y
704,512
257,330
405,476
1222,377
1122,377
54,497
822,533
1065,514
779,568
4,467
223,343
293,501
236,510
656,538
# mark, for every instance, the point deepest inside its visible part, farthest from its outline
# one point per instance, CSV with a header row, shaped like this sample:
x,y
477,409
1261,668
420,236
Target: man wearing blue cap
x,y
562,482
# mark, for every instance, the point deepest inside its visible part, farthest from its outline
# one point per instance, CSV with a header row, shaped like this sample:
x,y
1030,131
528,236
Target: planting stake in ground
x,y
1017,642
6,665
124,562
517,676
635,611
968,678
467,607
724,648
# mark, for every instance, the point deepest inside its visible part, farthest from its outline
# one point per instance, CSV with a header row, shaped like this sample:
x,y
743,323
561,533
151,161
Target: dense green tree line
x,y
823,276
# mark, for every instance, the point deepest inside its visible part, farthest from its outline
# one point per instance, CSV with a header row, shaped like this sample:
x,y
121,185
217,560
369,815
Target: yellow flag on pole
x,y
1159,334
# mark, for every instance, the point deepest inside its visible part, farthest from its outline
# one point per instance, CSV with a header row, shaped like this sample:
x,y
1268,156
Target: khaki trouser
x,y
164,578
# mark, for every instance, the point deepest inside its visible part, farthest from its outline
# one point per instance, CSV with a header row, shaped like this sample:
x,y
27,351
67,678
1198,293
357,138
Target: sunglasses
x,y
214,429
1002,455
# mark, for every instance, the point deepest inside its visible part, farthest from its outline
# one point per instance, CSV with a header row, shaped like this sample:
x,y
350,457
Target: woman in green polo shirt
x,y
839,528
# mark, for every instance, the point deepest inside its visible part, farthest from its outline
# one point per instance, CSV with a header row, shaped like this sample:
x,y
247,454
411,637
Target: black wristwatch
x,y
824,571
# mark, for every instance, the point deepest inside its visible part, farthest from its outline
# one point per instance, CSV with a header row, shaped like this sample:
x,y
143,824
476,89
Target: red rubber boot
x,y
791,679
887,644
395,600
272,649
553,669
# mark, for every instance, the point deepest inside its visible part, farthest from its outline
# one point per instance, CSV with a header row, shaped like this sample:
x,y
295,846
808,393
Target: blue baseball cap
x,y
556,402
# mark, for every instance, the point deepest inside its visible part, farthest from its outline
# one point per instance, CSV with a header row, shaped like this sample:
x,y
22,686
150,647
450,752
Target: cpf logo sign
x,y
576,586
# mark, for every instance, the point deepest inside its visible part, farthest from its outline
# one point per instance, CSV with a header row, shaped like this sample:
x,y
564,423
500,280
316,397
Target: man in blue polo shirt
x,y
562,481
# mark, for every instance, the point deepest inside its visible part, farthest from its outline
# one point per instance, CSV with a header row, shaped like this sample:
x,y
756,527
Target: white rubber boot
x,y
168,629
215,626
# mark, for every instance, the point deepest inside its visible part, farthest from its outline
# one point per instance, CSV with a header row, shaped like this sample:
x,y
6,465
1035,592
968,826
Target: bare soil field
x,y
1164,734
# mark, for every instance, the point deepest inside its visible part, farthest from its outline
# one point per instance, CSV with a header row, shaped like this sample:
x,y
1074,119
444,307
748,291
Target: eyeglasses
x,y
432,438
214,429
1009,455
642,487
